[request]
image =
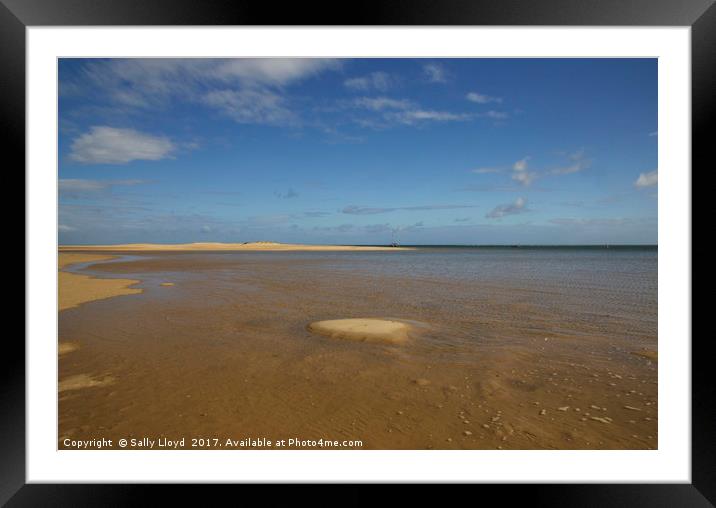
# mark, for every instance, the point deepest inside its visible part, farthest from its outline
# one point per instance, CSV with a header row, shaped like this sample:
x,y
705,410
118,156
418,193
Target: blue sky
x,y
447,151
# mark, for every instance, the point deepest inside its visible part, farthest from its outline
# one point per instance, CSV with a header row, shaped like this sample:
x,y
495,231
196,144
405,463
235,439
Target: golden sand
x,y
363,330
67,347
83,381
212,246
75,289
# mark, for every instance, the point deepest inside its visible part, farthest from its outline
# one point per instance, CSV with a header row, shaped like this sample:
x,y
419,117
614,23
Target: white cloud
x,y
381,103
647,179
655,133
482,171
482,99
273,71
414,116
524,177
149,78
63,228
374,81
109,145
509,209
251,106
435,73
520,173
153,83
521,165
401,111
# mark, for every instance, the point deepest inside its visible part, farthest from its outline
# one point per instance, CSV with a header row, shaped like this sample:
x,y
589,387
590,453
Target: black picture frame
x,y
700,15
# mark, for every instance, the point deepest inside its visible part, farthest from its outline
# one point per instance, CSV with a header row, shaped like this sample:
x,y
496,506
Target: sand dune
x,y
211,246
75,289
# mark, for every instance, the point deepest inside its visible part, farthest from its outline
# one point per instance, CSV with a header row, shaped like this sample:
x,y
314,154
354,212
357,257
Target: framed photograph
x,y
433,244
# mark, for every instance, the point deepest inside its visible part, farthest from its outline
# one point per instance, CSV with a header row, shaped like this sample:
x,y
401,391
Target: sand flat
x,y
363,329
226,353
211,246
75,289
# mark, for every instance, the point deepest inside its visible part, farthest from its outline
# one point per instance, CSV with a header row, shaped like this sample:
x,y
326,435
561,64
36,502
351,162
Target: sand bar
x,y
363,330
75,289
66,347
212,246
83,381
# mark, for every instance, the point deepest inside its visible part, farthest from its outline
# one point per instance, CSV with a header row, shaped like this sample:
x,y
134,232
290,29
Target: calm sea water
x,y
605,291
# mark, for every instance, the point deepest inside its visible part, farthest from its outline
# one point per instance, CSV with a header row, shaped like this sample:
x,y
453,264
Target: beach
x,y
416,348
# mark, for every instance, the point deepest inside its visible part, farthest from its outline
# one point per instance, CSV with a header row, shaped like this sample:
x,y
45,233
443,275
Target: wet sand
x,y
227,353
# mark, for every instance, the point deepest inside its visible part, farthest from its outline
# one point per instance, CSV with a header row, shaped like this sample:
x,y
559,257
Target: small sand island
x,y
387,331
75,289
216,246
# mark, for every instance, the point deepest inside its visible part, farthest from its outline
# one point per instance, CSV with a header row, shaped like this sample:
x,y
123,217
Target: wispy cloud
x,y
578,163
380,81
364,210
495,115
414,116
141,81
273,71
435,73
109,145
114,223
401,112
519,206
382,103
79,185
524,178
150,83
647,179
482,98
342,228
256,106
588,222
316,213
289,194
482,171
655,133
